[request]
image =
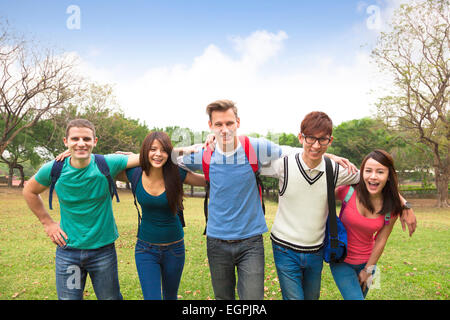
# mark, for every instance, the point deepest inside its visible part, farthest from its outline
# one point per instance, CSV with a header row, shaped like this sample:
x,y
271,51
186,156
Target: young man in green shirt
x,y
87,231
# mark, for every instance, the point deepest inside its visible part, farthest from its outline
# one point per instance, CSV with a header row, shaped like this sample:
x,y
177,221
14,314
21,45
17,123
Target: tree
x,y
354,139
416,52
97,104
20,150
34,83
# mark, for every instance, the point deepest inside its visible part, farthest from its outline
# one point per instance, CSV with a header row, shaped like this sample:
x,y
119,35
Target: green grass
x,y
410,268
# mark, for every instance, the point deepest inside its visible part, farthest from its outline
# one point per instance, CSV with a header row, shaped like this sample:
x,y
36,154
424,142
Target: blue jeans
x,y
299,273
346,277
73,265
247,256
159,266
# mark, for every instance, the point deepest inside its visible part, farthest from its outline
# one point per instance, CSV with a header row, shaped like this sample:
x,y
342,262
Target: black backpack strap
x,y
104,169
260,186
54,176
332,220
205,205
180,215
137,173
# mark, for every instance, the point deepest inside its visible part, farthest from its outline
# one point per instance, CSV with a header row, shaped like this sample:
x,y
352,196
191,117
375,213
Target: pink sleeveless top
x,y
360,230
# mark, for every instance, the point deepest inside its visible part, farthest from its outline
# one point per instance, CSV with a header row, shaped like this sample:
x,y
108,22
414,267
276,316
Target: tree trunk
x,y
442,186
22,175
10,177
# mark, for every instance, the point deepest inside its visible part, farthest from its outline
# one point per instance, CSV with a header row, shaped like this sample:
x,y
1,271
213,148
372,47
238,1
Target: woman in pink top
x,y
368,214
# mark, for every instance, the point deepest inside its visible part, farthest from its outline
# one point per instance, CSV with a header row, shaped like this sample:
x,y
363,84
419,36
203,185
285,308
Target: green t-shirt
x,y
85,202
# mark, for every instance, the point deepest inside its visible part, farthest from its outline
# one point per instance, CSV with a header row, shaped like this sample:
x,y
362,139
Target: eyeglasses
x,y
323,141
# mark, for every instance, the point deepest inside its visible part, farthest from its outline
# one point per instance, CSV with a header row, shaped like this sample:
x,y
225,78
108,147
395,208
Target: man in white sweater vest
x,y
299,227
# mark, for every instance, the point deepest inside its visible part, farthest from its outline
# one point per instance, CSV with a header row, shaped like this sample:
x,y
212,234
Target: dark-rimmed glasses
x,y
323,141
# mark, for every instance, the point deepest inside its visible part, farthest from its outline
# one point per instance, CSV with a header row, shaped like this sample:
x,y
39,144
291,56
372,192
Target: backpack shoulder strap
x,y
54,176
349,194
332,219
249,152
101,164
104,169
253,161
206,161
137,173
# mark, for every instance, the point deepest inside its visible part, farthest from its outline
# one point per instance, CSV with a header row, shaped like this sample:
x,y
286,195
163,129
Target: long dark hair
x,y
172,180
391,198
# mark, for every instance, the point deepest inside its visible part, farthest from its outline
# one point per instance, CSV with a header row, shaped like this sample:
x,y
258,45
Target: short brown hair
x,y
221,105
316,122
80,123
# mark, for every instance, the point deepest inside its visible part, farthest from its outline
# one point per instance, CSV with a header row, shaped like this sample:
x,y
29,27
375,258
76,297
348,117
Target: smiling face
x,y
375,176
315,135
313,152
157,155
224,125
80,141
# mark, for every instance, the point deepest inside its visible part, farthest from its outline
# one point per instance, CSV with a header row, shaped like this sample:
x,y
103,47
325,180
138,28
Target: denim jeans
x,y
248,257
299,273
73,265
346,277
159,266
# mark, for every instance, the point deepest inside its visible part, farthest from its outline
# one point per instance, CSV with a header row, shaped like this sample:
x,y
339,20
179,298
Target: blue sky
x,y
160,54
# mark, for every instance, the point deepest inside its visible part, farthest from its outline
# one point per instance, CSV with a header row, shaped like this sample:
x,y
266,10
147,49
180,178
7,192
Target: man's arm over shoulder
x,y
133,161
270,156
191,162
267,150
118,162
345,177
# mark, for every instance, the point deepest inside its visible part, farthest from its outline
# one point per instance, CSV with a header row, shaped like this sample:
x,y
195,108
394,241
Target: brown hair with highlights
x,y
221,105
391,198
316,122
172,180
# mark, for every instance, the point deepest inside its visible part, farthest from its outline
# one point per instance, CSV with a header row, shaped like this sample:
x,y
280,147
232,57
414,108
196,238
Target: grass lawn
x,y
409,269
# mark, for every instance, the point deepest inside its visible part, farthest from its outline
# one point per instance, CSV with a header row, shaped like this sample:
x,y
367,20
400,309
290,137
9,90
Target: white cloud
x,y
259,47
267,98
179,94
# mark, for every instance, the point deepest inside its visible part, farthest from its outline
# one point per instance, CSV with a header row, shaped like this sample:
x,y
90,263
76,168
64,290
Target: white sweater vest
x,y
302,212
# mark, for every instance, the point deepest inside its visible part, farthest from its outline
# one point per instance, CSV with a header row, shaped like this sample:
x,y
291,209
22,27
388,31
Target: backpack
x,y
134,181
253,161
335,243
102,166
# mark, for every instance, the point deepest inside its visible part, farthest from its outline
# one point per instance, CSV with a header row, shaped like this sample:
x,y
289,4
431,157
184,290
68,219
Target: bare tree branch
x,y
416,51
33,84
